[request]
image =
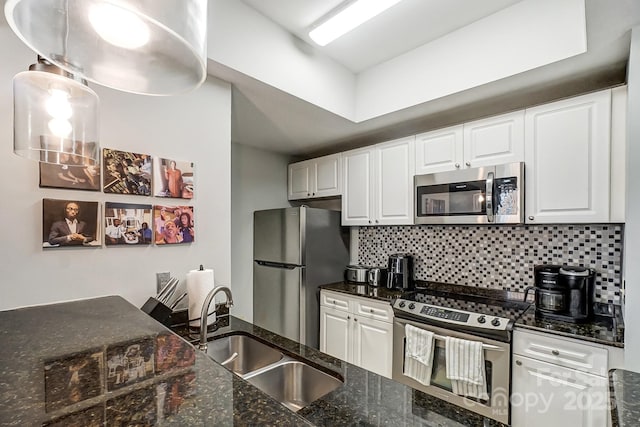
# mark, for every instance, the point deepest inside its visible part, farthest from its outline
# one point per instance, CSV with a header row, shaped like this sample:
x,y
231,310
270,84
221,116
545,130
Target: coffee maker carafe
x,y
400,272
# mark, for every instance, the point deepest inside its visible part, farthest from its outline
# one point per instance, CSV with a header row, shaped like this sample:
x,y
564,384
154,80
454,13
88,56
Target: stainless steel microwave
x,y
486,195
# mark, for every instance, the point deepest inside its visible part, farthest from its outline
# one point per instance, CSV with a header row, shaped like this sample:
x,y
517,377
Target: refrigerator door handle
x,y
277,265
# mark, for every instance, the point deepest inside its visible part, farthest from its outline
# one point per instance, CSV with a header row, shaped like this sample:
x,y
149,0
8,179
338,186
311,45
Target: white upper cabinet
x,y
439,150
320,177
567,154
378,184
495,140
489,141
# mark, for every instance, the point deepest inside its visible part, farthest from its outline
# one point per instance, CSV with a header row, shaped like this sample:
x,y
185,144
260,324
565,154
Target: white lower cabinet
x,y
558,381
357,330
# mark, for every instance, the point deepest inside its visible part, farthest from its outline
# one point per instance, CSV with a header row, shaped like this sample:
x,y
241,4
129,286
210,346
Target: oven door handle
x,y
484,346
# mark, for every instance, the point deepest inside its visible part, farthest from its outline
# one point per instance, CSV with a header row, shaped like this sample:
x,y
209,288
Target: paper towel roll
x,y
199,284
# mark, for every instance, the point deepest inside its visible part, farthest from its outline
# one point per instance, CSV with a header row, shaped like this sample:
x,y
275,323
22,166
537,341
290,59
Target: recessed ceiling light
x,y
347,18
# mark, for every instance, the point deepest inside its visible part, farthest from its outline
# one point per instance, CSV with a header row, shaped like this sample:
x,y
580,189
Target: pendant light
x,y
55,117
152,47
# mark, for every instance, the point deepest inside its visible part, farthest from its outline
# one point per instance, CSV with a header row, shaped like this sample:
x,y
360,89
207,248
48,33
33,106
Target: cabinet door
x,y
567,151
544,394
494,140
372,345
393,197
300,185
334,333
356,198
327,173
439,150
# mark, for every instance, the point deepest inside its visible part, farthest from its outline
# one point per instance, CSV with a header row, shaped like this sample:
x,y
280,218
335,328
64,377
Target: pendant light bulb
x,y
118,26
60,127
58,105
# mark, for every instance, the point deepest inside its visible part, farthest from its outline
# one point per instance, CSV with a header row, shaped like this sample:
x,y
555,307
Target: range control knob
x,y
402,304
495,322
412,306
481,319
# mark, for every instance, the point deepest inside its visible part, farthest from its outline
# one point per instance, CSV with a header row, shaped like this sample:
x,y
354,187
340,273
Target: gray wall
x,y
632,233
259,181
193,127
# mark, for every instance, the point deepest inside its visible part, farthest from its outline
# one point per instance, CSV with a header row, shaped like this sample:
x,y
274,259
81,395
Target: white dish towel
x,y
418,354
465,367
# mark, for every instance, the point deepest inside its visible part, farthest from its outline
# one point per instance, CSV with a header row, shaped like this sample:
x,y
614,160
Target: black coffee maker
x,y
564,292
400,272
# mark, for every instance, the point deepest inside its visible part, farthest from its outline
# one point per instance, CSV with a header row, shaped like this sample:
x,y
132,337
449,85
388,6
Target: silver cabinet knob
x,y
468,163
457,165
531,218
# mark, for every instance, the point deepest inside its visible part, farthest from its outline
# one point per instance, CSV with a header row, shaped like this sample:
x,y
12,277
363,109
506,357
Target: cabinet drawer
x,y
372,309
334,300
561,351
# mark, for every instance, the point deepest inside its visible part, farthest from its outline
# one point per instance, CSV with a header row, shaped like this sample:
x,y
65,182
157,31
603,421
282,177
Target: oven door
x,y
497,357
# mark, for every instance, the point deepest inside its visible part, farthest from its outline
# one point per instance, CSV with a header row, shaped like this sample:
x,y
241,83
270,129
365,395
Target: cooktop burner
x,y
483,314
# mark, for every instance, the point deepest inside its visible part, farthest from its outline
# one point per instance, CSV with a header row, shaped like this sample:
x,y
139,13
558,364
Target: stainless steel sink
x,y
294,384
250,354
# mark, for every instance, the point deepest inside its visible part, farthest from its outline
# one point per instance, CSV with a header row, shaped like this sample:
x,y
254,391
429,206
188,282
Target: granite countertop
x,y
104,362
364,290
625,398
602,329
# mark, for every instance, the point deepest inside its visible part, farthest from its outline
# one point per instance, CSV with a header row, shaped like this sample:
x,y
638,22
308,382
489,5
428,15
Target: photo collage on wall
x,y
76,223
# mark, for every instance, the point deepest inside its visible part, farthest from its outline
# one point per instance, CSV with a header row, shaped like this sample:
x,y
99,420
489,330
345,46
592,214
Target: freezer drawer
x,y
276,300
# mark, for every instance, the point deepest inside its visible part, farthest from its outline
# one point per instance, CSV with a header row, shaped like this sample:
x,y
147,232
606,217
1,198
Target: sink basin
x,y
251,354
295,384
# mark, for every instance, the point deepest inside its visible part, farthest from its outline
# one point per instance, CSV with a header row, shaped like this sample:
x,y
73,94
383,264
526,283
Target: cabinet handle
x,y
369,221
377,221
313,194
371,310
555,352
308,194
519,363
468,163
348,317
457,165
531,218
355,320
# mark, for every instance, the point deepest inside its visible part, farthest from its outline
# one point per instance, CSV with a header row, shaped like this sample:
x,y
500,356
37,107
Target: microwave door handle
x,y
489,196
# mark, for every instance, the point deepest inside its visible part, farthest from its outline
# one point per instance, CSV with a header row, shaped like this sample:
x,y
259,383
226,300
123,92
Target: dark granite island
x,y
625,398
104,362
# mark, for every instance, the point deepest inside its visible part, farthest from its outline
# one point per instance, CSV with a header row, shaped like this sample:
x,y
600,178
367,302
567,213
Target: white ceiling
x,y
403,27
265,117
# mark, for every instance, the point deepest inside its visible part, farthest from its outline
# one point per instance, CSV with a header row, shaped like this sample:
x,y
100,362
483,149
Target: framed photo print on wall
x,y
127,224
70,223
173,179
173,224
70,177
126,173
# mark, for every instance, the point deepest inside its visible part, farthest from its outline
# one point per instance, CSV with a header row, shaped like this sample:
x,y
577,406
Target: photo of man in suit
x,y
75,228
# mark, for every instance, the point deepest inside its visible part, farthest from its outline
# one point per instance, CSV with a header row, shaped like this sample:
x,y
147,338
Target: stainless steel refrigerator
x,y
295,250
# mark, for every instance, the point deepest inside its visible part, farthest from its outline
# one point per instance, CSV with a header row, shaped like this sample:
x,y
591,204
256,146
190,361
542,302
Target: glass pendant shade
x,y
55,119
152,47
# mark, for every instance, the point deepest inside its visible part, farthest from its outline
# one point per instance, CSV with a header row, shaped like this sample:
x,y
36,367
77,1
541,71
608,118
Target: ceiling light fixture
x,y
347,17
149,47
55,117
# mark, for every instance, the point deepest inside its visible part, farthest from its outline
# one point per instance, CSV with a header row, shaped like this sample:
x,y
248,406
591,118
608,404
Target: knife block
x,y
158,311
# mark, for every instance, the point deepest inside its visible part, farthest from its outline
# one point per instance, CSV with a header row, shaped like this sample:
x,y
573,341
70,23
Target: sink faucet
x,y
204,314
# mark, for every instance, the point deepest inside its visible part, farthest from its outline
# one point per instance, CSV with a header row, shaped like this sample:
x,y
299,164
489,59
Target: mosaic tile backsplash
x,y
500,257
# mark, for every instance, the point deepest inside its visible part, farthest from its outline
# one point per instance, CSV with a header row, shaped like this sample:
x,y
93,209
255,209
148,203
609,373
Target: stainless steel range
x,y
450,311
